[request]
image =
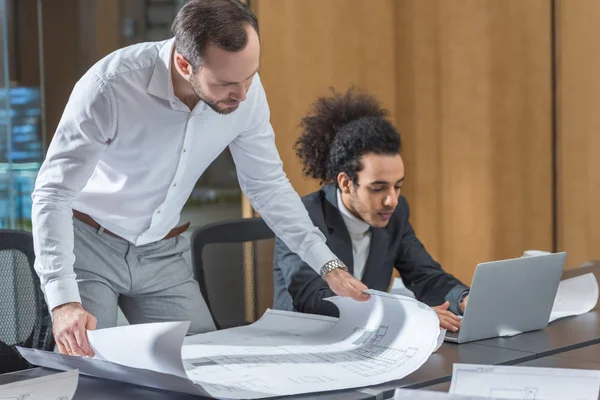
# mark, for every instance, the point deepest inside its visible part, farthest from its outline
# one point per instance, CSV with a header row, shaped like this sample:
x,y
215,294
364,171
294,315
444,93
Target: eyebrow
x,y
229,83
385,182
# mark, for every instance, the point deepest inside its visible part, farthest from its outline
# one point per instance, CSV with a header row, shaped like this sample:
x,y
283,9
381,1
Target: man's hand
x,y
463,304
69,324
344,284
447,319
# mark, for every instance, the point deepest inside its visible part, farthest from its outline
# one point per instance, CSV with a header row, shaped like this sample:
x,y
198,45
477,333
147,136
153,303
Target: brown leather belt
x,y
90,221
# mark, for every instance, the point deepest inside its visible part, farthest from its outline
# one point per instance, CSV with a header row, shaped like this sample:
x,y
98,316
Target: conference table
x,y
572,342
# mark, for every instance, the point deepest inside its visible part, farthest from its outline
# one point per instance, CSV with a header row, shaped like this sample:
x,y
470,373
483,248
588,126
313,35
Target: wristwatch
x,y
331,265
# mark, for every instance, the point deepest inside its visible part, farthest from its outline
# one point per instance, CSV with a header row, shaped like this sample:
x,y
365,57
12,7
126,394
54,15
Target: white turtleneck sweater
x,y
360,233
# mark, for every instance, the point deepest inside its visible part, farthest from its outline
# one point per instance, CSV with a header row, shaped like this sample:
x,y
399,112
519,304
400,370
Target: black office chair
x,y
233,262
24,317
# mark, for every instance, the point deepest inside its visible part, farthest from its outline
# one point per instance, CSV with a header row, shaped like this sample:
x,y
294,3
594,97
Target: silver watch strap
x,y
331,265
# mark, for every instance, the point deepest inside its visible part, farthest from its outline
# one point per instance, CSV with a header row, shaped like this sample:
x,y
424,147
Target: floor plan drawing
x,y
60,386
524,383
369,347
283,353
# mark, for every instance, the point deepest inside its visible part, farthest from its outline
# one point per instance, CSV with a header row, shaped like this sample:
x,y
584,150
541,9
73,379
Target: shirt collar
x,y
353,224
161,83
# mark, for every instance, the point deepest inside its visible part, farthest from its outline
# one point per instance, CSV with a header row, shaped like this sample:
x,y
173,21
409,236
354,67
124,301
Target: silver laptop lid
x,y
511,296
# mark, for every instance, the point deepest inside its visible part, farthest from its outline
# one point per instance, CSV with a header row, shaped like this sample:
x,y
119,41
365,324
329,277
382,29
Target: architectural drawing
x,y
284,353
59,386
524,383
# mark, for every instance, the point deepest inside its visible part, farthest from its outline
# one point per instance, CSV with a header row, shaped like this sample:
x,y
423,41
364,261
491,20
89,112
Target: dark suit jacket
x,y
299,288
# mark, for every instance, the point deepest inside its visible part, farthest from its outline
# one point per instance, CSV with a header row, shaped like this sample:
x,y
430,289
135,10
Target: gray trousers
x,y
151,283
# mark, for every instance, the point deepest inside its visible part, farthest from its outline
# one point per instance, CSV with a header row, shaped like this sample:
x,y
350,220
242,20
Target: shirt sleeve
x,y
263,181
85,129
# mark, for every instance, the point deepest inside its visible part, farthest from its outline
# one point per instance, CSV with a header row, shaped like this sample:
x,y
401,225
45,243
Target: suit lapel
x,y
339,239
377,253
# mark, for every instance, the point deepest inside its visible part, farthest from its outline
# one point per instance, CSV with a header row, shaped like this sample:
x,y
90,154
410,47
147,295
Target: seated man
x,y
348,144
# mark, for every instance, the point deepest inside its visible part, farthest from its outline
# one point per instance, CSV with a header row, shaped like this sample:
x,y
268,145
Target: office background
x,y
496,101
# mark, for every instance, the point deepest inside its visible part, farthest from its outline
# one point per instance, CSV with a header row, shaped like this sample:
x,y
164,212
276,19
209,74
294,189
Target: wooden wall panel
x,y
474,108
24,50
311,45
61,61
469,86
578,129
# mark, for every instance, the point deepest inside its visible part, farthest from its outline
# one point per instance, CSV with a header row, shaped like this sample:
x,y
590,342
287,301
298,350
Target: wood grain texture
x,y
309,46
474,108
578,129
469,86
60,28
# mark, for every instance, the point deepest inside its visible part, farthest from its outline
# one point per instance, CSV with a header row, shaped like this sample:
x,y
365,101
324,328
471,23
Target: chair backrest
x,y
233,262
25,317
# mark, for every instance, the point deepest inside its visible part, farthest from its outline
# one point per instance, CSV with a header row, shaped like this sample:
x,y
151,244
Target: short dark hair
x,y
219,22
339,130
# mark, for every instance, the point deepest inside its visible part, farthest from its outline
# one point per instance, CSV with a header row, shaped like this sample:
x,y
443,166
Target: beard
x,y
212,103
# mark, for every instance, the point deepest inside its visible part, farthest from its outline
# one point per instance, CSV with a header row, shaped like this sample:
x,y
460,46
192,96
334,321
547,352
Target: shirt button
x,y
184,150
158,212
174,184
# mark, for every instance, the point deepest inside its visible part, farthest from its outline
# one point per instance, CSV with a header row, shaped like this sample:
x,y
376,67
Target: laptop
x,y
509,297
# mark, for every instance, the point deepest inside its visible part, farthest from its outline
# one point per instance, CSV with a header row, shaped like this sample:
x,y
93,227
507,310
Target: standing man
x,y
140,128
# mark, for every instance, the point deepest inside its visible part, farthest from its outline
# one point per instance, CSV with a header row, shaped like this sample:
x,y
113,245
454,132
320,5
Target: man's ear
x,y
344,182
183,65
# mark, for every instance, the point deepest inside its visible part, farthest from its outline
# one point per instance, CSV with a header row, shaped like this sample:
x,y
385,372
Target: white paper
x,y
284,353
60,386
575,296
109,370
156,347
535,253
383,339
289,327
508,382
441,338
400,394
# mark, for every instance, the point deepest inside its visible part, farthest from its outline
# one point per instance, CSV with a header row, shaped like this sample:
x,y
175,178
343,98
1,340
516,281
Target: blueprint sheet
x,y
284,353
373,342
526,383
60,386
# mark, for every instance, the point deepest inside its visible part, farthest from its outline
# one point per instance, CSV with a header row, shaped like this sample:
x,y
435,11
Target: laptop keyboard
x,y
452,335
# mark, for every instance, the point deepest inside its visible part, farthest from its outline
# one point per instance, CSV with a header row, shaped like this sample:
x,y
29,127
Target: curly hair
x,y
339,130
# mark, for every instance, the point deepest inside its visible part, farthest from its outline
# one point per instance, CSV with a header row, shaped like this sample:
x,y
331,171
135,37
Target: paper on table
x,y
290,327
109,370
441,338
383,339
294,324
283,353
575,296
509,382
156,347
430,395
60,386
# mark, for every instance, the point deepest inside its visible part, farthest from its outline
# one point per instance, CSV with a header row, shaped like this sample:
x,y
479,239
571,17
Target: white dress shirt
x,y
360,234
128,152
